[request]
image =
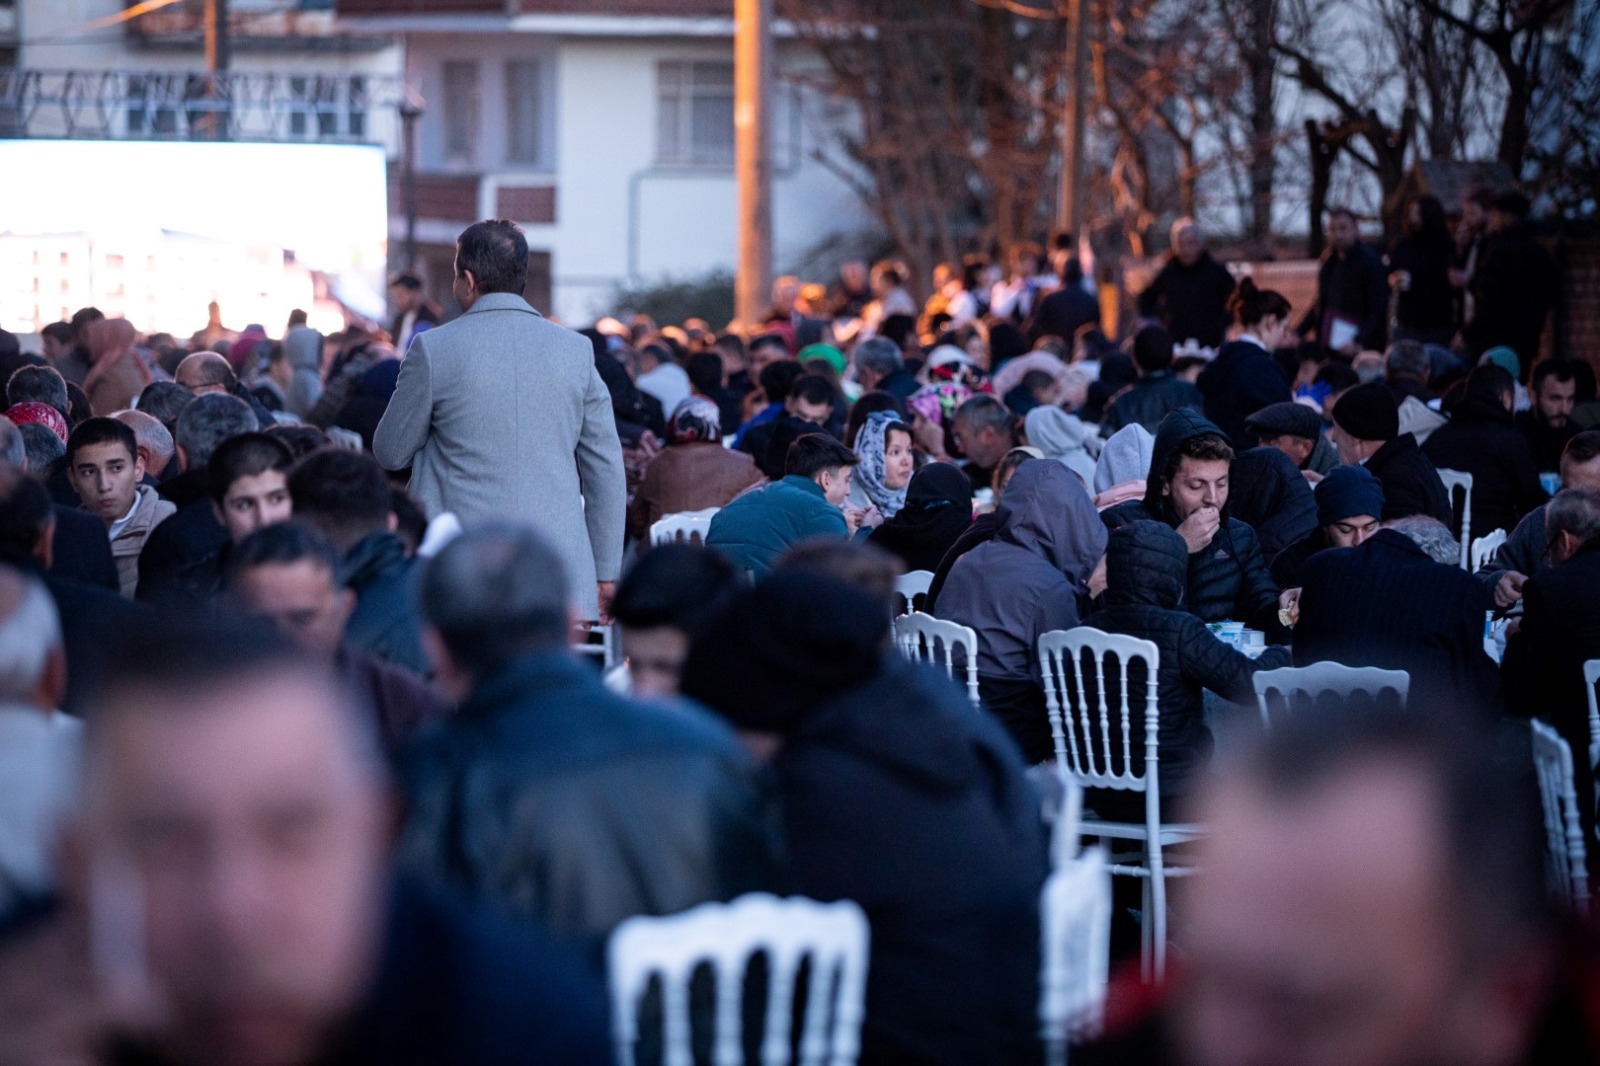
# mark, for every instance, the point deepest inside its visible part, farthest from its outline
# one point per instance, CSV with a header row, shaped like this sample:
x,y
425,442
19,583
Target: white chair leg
x,y
1146,939
1158,917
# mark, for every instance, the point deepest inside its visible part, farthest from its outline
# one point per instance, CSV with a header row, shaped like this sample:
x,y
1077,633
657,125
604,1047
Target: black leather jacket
x,y
574,806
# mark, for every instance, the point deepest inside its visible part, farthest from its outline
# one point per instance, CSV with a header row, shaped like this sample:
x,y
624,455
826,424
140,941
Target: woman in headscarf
x,y
693,472
116,373
938,509
1064,438
879,485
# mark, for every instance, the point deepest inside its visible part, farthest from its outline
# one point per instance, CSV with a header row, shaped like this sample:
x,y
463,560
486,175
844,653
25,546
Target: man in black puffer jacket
x,y
1188,491
1482,439
1147,568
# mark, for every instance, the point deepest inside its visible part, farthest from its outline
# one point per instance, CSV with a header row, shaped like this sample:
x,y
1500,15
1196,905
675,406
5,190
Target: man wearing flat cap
x,y
1366,430
1295,429
1349,505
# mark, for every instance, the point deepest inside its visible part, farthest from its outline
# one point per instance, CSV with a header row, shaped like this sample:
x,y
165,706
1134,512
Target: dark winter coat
x,y
756,528
895,795
1513,291
1545,441
1228,579
385,622
1267,492
575,807
1289,564
1242,380
1146,574
1022,584
178,565
1191,301
80,551
1411,482
1149,400
1061,313
1543,670
1481,440
938,509
1353,285
1387,604
1428,306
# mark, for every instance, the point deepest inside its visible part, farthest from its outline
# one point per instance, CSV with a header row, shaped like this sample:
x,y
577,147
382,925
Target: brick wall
x,y
1580,261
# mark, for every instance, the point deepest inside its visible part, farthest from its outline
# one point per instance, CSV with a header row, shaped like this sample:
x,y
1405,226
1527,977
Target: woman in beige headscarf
x,y
116,373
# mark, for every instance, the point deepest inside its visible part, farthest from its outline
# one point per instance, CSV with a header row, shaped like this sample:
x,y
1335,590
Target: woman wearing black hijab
x,y
938,509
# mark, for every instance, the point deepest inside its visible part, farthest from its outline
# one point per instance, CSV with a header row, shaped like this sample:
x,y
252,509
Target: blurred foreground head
x,y
1371,895
231,851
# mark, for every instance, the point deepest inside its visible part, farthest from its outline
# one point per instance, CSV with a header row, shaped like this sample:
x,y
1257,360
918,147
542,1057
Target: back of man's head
x,y
13,449
1491,383
1152,349
1581,450
205,370
705,372
208,421
1407,360
1574,511
675,586
247,455
344,494
814,453
878,357
42,447
32,669
777,378
495,253
37,384
865,566
986,412
164,401
1429,534
154,439
494,593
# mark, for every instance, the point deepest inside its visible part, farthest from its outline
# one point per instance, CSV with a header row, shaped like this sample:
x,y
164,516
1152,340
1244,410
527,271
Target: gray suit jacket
x,y
502,416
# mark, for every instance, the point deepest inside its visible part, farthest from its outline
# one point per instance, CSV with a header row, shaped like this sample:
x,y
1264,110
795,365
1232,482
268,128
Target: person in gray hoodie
x,y
303,346
1030,579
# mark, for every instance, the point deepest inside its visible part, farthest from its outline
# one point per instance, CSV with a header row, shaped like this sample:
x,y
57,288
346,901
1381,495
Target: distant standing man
x,y
502,416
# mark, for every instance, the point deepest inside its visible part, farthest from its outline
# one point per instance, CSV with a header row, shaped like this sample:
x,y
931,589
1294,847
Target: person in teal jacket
x,y
759,526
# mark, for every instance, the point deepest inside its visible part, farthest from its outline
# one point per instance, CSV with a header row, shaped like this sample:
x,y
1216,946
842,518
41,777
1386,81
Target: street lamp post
x,y
752,66
410,111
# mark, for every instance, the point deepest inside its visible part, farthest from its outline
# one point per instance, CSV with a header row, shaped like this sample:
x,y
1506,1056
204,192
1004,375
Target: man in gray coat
x,y
502,416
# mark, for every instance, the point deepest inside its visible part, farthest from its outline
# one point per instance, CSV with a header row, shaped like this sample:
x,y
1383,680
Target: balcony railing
x,y
194,106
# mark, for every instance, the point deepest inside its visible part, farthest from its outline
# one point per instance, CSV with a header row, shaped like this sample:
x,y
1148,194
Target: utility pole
x,y
218,56
410,111
752,70
1069,208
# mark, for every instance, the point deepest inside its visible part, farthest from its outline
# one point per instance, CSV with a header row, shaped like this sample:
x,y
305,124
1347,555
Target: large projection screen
x,y
154,231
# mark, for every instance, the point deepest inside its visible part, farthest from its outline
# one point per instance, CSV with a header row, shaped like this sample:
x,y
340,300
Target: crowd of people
x,y
299,763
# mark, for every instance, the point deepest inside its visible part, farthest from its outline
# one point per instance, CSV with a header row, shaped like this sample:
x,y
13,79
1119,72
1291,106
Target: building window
x,y
461,111
525,112
695,112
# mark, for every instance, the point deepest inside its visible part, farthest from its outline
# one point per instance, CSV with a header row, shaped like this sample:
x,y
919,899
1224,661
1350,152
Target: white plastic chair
x,y
683,525
605,649
727,936
1075,930
1483,548
1458,479
1568,858
1326,677
908,587
922,638
1103,758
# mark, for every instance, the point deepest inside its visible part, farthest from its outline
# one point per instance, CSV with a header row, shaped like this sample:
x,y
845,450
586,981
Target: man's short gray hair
x,y
208,421
12,448
43,448
983,411
880,356
494,593
28,635
1575,511
150,433
1431,535
1407,359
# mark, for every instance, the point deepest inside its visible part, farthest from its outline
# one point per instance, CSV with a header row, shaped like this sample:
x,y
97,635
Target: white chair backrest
x,y
1567,868
1591,677
1483,548
1457,479
923,638
683,525
726,936
908,587
1075,921
1095,743
1325,677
